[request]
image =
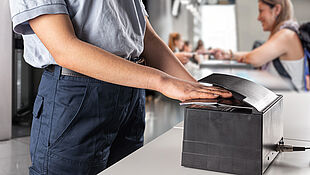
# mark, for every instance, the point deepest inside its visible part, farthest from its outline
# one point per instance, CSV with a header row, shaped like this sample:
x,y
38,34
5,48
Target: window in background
x,y
219,26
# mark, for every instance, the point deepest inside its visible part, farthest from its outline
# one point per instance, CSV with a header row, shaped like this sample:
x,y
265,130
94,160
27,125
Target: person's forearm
x,y
158,55
253,58
97,63
57,34
249,58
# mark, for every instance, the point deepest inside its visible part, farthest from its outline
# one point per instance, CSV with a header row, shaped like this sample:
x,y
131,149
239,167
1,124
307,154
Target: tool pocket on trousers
x,y
37,107
36,125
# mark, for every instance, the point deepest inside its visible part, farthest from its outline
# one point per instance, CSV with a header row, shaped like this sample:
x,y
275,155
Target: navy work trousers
x,y
82,125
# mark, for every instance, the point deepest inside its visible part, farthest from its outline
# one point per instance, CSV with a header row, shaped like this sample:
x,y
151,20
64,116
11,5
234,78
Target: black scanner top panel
x,y
251,93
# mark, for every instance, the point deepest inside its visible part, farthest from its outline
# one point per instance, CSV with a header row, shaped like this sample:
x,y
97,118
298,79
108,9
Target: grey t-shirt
x,y
116,26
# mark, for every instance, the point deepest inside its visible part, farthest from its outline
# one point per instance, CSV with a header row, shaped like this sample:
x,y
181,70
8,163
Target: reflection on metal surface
x,y
224,64
162,114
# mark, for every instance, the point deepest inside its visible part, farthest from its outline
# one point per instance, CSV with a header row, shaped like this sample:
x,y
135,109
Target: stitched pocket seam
x,y
69,127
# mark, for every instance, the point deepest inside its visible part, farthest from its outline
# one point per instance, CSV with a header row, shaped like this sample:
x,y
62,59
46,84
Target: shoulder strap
x,y
304,35
280,68
291,25
307,62
283,73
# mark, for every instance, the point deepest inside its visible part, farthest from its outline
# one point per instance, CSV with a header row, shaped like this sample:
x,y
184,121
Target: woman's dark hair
x,y
186,43
271,5
199,45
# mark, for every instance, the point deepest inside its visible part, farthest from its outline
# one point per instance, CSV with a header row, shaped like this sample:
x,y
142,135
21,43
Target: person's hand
x,y
184,90
183,57
221,54
241,59
197,58
201,51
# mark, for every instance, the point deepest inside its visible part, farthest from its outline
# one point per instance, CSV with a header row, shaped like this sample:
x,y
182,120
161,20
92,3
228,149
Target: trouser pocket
x,y
32,171
36,124
39,134
69,101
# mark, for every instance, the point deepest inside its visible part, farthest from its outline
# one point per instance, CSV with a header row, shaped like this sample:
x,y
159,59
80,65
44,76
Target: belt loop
x,y
137,60
57,72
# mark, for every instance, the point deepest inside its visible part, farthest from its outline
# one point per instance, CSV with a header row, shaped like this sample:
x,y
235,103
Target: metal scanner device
x,y
236,135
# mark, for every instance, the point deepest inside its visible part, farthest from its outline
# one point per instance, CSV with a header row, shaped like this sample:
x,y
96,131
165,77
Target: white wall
x,y
249,29
302,10
5,71
164,23
184,24
160,17
219,34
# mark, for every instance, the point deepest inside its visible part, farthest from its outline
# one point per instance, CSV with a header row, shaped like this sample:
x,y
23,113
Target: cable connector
x,y
289,148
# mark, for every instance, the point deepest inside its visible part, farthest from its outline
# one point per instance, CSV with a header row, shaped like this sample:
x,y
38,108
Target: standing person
x,y
283,46
176,44
188,48
89,111
200,48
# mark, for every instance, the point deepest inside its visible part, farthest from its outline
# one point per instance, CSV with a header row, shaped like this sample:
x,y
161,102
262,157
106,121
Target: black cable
x,y
299,148
290,148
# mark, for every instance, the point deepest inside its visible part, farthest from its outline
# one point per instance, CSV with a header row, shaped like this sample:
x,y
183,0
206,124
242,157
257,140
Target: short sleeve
x,y
143,9
24,10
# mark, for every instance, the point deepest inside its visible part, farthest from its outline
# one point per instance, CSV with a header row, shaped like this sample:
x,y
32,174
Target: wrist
x,y
160,82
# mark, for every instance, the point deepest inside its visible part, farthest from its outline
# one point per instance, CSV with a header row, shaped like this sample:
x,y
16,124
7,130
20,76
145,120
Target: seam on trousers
x,y
50,124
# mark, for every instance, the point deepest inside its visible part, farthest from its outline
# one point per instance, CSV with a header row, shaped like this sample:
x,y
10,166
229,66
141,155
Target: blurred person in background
x,y
176,44
283,46
188,48
201,50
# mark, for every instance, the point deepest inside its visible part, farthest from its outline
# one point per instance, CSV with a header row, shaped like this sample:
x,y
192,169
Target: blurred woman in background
x,y
176,44
200,48
188,48
282,47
